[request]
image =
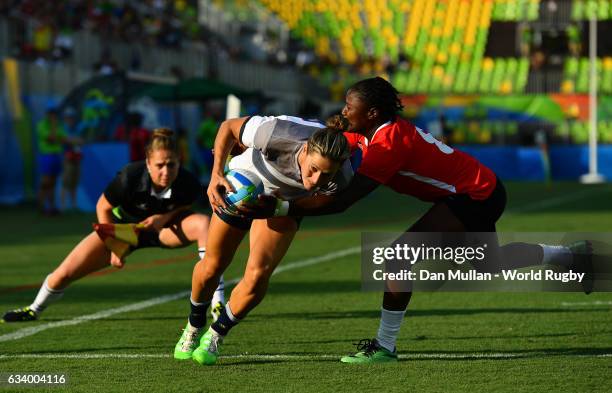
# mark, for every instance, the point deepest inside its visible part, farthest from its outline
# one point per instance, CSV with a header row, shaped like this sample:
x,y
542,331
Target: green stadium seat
x,y
413,80
579,132
522,75
571,67
498,75
446,33
591,9
562,130
607,136
578,10
511,11
603,8
533,10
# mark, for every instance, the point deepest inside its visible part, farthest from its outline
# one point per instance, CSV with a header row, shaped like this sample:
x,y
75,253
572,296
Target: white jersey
x,y
273,145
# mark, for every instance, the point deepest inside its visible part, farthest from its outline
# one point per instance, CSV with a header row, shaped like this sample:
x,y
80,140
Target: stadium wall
x,y
12,185
530,163
102,160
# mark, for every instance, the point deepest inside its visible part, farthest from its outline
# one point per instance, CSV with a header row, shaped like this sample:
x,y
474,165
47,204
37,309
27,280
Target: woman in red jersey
x,y
466,196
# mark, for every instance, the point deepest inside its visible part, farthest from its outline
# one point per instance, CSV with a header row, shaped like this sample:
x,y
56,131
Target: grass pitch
x,y
531,342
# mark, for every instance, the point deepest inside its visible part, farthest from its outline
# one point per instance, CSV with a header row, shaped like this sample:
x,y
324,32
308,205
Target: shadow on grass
x,y
506,355
502,337
314,288
422,313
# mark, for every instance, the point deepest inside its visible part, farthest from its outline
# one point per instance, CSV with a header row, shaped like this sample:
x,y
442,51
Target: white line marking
x,y
593,303
253,356
29,331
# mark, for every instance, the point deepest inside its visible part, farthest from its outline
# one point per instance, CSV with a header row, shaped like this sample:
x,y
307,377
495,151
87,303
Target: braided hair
x,y
378,93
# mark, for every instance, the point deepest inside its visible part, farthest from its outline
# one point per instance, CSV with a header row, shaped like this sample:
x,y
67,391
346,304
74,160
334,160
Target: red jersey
x,y
412,162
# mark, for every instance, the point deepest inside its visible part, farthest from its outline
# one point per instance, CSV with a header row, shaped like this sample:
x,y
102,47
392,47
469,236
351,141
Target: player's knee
x,y
256,279
60,278
196,227
210,268
200,223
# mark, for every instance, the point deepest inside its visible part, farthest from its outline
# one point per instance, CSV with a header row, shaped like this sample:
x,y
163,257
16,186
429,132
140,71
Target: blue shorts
x,y
50,164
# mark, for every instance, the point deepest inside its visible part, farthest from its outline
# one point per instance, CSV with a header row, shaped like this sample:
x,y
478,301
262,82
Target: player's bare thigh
x,y
88,256
184,230
222,242
269,241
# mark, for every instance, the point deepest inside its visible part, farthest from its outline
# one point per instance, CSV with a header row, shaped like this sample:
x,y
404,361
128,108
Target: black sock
x,y
197,317
225,322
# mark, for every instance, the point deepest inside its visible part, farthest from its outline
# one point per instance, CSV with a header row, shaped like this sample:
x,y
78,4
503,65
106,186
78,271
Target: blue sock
x,y
197,317
225,322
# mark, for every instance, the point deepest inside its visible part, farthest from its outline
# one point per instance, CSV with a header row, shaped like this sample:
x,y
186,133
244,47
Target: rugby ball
x,y
247,185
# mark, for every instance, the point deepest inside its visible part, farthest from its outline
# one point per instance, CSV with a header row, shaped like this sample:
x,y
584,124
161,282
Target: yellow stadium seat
x,y
506,87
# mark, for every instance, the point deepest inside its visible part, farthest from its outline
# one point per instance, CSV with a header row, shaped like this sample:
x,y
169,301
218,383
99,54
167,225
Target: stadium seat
x,y
451,34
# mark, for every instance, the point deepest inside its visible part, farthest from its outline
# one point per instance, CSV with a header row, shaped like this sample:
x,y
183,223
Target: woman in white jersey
x,y
294,158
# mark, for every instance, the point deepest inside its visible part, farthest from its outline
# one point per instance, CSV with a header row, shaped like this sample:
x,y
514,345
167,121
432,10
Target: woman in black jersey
x,y
156,193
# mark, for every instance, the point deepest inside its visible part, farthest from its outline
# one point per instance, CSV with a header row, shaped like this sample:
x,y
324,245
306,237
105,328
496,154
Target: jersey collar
x,y
165,194
367,142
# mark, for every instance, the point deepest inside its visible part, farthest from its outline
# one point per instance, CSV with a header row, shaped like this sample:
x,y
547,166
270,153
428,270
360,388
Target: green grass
x,y
518,342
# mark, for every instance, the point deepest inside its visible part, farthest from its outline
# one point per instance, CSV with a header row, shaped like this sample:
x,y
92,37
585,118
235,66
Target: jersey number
x,y
431,140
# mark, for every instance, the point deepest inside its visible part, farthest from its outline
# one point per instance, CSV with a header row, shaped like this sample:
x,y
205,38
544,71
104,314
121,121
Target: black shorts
x,y
245,223
479,216
148,239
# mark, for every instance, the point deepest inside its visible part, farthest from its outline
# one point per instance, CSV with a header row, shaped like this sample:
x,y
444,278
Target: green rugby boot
x,y
208,351
189,340
368,351
24,314
582,254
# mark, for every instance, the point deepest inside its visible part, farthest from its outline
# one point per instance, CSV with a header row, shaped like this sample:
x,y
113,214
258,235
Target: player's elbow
x,y
228,129
102,203
103,208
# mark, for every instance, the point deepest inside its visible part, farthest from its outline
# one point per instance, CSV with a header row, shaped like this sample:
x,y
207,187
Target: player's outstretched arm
x,y
158,221
319,205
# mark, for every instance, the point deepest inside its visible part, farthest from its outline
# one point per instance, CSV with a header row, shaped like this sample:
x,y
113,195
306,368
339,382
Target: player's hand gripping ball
x,y
248,187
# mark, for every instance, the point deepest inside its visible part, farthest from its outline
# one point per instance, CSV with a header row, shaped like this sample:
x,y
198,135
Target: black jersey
x,y
130,193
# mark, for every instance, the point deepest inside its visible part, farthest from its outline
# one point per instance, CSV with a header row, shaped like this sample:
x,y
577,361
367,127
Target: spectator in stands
x,y
43,39
63,44
207,131
72,159
133,132
51,135
537,60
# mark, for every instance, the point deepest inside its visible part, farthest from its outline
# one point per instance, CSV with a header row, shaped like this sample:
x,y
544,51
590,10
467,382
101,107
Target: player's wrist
x,y
282,208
